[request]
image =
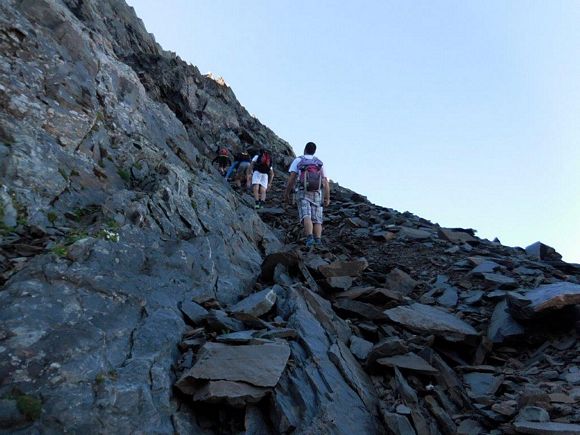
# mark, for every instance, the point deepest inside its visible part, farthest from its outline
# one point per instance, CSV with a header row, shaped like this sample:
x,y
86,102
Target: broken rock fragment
x,y
259,365
409,361
236,394
400,281
257,304
344,268
532,303
423,318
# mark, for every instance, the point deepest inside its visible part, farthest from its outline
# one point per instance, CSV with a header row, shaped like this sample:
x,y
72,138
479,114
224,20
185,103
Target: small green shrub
x,y
60,250
30,406
51,216
124,174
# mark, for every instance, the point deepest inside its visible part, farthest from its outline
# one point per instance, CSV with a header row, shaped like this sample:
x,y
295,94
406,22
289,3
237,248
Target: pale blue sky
x,y
466,113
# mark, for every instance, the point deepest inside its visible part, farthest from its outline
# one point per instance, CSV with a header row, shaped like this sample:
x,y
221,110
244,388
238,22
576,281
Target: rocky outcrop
x,y
140,293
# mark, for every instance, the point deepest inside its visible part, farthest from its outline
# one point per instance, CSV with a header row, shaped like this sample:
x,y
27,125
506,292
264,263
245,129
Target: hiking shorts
x,y
310,205
241,171
261,179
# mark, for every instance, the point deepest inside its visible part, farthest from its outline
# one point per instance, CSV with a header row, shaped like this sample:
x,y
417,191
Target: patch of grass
x,y
208,202
74,173
193,204
30,406
60,250
52,217
100,379
124,174
138,166
63,173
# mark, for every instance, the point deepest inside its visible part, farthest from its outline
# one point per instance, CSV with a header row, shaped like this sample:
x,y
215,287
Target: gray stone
x,y
502,326
219,321
259,365
409,361
256,304
360,347
414,234
457,237
540,251
236,394
533,414
423,318
359,309
449,297
193,312
499,280
485,267
482,384
470,427
398,424
255,422
344,268
10,415
241,337
400,282
340,282
535,302
547,428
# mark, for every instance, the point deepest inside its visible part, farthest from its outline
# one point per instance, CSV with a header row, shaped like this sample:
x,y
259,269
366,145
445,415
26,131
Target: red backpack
x,y
264,162
310,173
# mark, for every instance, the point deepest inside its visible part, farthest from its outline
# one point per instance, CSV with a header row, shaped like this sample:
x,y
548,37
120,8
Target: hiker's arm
x,y
290,186
249,173
326,185
270,177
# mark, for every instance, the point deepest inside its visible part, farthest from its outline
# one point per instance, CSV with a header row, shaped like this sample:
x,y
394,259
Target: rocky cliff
x,y
141,294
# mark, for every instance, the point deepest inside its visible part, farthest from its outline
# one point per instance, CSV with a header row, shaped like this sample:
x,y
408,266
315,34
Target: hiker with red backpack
x,y
309,180
222,159
261,172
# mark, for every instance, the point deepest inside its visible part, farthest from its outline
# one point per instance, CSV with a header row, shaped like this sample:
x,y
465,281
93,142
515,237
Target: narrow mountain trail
x,y
414,319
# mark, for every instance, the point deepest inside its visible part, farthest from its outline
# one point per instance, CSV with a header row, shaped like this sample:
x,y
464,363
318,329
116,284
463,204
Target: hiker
x,y
262,175
240,166
222,159
309,180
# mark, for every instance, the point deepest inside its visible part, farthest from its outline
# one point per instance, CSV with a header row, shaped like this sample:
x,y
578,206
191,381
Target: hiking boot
x,y
317,242
309,241
257,205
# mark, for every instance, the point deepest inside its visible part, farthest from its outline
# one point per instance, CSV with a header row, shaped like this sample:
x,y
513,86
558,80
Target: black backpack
x,y
264,162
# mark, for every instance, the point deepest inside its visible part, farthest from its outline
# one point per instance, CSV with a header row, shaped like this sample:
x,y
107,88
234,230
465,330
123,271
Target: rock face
x,y
140,294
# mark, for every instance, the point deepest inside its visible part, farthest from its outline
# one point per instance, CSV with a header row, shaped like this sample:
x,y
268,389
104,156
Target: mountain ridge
x,y
125,259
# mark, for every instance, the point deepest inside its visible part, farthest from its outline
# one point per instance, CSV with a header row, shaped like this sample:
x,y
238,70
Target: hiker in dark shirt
x,y
261,175
222,159
239,168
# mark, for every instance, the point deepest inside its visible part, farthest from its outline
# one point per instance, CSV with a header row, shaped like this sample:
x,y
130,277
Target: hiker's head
x,y
310,148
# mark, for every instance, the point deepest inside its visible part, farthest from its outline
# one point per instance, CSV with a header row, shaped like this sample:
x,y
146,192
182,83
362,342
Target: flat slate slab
x,y
400,281
235,393
344,268
256,304
502,326
409,361
547,428
423,318
532,303
455,236
260,365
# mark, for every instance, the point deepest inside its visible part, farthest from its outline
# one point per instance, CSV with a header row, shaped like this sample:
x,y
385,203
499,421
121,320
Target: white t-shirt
x,y
294,165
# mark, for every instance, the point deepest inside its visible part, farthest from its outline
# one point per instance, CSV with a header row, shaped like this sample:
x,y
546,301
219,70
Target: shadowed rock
x,y
550,297
236,394
409,361
344,268
502,326
256,304
400,281
259,365
423,318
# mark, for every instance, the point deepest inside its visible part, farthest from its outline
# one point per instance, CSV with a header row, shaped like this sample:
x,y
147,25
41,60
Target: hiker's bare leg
x,y
256,188
317,230
262,193
307,226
